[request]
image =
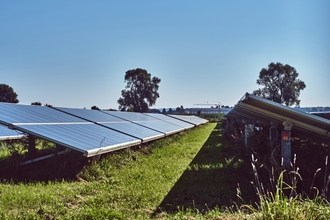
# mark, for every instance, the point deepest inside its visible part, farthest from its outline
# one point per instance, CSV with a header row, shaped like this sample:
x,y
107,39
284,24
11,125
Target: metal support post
x,y
248,129
273,135
286,144
32,145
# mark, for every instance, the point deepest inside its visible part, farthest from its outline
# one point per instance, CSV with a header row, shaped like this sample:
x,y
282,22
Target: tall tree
x,y
280,84
7,94
141,91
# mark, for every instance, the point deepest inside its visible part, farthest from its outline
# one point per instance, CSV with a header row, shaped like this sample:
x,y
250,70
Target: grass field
x,y
193,175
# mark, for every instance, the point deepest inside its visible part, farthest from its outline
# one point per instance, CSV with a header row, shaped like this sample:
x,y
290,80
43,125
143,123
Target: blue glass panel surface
x,y
89,138
16,113
131,116
116,123
191,119
136,130
161,126
149,122
7,134
91,115
172,120
89,131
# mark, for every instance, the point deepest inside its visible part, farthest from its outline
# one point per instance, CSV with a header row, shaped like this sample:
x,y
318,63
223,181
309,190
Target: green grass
x,y
127,184
192,175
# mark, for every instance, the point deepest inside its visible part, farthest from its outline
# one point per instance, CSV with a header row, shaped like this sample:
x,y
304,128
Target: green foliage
x,y
36,103
59,167
141,91
7,94
15,147
280,84
94,107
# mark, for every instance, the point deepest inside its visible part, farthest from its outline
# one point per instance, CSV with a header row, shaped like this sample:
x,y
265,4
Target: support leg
x,y
32,145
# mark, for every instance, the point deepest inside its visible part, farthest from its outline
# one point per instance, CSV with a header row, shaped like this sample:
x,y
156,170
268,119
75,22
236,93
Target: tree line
x,y
278,82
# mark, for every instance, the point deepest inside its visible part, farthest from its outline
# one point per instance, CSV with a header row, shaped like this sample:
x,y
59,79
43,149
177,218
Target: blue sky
x,y
76,53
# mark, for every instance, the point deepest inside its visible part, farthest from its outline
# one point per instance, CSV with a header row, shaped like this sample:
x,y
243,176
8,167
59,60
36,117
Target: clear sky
x,y
75,53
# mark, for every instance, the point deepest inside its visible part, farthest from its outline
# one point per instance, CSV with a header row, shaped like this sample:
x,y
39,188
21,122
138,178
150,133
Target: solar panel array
x,y
257,108
115,123
89,131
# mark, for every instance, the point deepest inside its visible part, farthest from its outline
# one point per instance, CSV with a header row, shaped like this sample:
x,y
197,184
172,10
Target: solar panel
x,y
8,134
191,119
149,122
88,131
257,108
115,123
88,138
132,116
172,120
16,113
64,129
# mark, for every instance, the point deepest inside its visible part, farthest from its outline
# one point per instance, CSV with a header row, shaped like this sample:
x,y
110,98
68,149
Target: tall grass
x,y
281,201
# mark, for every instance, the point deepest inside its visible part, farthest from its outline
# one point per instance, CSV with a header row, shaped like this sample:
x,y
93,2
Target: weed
x,y
282,201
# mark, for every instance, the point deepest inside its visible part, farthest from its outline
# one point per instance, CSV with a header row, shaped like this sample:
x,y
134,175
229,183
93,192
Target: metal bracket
x,y
45,157
287,125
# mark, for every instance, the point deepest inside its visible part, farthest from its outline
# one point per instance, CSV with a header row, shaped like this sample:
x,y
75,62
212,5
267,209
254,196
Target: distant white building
x,y
194,111
312,110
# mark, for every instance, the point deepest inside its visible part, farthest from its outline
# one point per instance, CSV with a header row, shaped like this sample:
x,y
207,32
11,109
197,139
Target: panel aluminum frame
x,y
16,113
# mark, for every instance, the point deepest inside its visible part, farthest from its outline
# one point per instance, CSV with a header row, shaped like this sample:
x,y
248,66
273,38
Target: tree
x,y
154,110
141,91
280,84
7,94
36,103
94,107
164,111
180,110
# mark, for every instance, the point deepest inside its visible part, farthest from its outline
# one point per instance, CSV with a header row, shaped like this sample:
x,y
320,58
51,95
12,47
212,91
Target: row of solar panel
x,y
89,131
258,108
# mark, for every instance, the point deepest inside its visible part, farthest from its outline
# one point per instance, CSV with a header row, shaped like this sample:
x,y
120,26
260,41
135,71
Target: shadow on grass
x,y
211,179
60,167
